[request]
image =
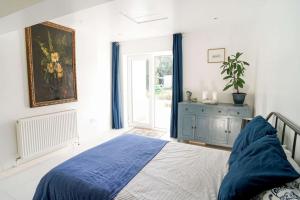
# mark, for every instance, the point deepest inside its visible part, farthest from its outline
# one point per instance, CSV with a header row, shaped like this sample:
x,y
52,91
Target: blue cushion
x,y
254,130
261,166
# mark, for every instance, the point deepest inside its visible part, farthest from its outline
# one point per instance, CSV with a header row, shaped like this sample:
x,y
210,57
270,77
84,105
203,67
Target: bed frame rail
x,y
286,123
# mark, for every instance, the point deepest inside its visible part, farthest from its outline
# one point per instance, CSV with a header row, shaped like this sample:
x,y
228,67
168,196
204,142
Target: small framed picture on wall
x,y
216,55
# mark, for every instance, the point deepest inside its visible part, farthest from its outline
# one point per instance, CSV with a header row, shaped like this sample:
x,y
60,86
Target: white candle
x,y
215,96
204,95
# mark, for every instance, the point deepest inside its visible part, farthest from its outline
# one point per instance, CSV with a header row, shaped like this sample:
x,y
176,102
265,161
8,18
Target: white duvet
x,y
179,172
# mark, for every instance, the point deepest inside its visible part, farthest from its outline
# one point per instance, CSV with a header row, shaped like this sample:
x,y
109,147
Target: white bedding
x,y
179,172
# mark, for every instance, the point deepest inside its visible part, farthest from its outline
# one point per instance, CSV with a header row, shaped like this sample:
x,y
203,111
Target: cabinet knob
x,y
202,110
186,109
225,131
219,111
238,113
229,131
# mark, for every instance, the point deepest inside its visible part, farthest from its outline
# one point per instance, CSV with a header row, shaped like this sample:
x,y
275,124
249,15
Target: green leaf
x,y
223,71
235,86
239,68
239,83
231,67
241,80
245,63
229,72
227,87
238,54
227,77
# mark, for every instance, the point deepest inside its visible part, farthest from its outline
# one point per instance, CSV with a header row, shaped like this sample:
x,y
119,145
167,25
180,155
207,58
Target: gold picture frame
x,y
216,55
51,64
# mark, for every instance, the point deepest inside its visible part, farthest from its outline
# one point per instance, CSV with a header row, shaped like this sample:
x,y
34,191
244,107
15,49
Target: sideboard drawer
x,y
203,110
189,109
238,112
194,109
219,111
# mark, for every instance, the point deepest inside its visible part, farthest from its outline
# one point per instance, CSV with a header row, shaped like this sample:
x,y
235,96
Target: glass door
x,y
162,91
150,90
140,91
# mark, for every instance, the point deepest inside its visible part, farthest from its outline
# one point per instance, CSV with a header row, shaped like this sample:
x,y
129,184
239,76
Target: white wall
x,y
278,61
147,45
198,75
93,62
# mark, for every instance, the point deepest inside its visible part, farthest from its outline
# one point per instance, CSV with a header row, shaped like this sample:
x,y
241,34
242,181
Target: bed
x,y
132,167
175,173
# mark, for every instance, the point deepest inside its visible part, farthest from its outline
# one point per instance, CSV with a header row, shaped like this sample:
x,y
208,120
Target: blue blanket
x,y
101,172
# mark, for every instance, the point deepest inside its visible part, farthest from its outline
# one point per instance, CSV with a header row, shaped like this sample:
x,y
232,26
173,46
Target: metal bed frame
x,y
286,123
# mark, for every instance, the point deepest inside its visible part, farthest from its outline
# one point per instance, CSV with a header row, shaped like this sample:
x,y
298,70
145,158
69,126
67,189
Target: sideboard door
x,y
218,130
188,126
234,129
202,128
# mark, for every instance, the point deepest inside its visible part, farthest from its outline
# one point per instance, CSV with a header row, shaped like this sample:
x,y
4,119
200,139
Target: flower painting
x,y
51,64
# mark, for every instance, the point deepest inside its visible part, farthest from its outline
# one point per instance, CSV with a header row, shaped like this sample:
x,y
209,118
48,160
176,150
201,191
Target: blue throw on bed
x,y
101,172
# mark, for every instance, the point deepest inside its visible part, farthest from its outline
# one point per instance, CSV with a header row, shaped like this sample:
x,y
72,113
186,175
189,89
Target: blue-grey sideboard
x,y
212,124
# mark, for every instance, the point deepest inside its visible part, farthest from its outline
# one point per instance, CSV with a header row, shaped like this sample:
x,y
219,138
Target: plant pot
x,y
239,98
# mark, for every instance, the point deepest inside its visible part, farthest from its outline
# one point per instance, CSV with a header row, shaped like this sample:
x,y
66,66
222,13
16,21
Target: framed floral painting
x,y
51,64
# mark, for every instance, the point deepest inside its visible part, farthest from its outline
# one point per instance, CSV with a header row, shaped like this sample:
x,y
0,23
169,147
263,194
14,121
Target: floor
x,y
151,133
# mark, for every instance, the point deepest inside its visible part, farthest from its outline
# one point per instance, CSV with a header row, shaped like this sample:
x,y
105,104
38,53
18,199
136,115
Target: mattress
x,y
179,171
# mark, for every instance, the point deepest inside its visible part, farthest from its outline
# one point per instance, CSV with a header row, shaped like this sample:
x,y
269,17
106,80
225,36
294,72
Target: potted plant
x,y
234,71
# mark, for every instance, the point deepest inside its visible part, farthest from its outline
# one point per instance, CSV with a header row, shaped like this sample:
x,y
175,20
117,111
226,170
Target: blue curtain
x,y
117,121
177,82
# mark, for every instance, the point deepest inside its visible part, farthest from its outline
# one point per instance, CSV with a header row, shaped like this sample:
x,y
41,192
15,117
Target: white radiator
x,y
41,134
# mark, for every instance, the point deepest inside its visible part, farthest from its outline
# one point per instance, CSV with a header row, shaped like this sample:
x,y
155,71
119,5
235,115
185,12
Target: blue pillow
x,y
261,166
254,130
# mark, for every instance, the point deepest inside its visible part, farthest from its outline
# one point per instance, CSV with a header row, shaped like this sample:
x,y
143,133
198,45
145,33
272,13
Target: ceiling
x,y
10,6
182,15
30,12
133,19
